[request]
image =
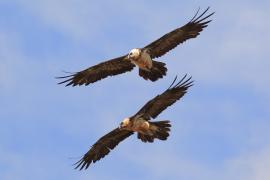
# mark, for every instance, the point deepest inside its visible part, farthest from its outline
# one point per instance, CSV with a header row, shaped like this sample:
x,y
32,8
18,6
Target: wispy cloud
x,y
69,17
250,166
161,163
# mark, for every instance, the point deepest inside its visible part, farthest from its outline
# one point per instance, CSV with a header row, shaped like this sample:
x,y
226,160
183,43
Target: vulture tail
x,y
157,71
159,130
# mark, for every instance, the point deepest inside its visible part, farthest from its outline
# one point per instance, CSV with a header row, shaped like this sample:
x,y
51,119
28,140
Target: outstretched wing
x,y
155,106
100,71
172,39
102,147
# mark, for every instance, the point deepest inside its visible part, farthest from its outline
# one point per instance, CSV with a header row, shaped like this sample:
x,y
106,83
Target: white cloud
x,y
165,163
250,166
83,20
70,17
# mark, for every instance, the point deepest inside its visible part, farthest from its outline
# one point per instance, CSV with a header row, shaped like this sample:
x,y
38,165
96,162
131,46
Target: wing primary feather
x,y
78,164
102,147
195,15
180,81
173,82
205,18
70,77
84,163
98,72
87,165
162,101
201,15
71,74
185,84
205,24
61,77
65,80
178,36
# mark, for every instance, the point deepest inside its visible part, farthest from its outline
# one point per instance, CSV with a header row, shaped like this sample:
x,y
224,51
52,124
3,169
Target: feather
x,y
158,104
172,39
100,71
102,147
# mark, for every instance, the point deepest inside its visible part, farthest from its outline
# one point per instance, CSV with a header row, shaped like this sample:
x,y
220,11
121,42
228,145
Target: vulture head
x,y
134,54
124,123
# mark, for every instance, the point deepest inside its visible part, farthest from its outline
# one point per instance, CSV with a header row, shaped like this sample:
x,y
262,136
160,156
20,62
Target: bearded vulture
x,y
142,57
140,122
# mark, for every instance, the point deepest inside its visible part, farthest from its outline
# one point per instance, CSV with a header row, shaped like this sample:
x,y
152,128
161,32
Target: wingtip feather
x,y
182,83
196,18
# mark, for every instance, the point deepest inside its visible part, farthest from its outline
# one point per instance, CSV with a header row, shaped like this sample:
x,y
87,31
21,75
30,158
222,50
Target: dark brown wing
x,y
172,39
100,71
155,106
102,147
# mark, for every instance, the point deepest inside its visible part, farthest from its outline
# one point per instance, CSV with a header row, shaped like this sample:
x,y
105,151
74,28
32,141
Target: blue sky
x,y
220,128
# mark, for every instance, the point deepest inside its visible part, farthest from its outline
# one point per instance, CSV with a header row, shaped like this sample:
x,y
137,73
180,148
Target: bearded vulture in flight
x,y
140,122
142,57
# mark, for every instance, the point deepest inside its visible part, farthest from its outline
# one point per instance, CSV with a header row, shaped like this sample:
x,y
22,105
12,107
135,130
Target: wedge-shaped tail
x,y
157,71
159,130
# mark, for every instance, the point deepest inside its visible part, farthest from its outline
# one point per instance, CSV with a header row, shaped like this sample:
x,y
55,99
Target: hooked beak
x,y
127,57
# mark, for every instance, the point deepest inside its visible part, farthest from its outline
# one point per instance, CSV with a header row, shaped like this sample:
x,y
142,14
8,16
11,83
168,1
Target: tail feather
x,y
145,138
157,71
159,130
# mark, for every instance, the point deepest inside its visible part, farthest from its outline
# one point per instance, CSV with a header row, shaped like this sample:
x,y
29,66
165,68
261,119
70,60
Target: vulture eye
x,y
130,53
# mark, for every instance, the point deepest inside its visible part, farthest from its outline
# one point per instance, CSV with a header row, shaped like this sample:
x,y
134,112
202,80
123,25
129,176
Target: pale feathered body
x,y
141,58
139,125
